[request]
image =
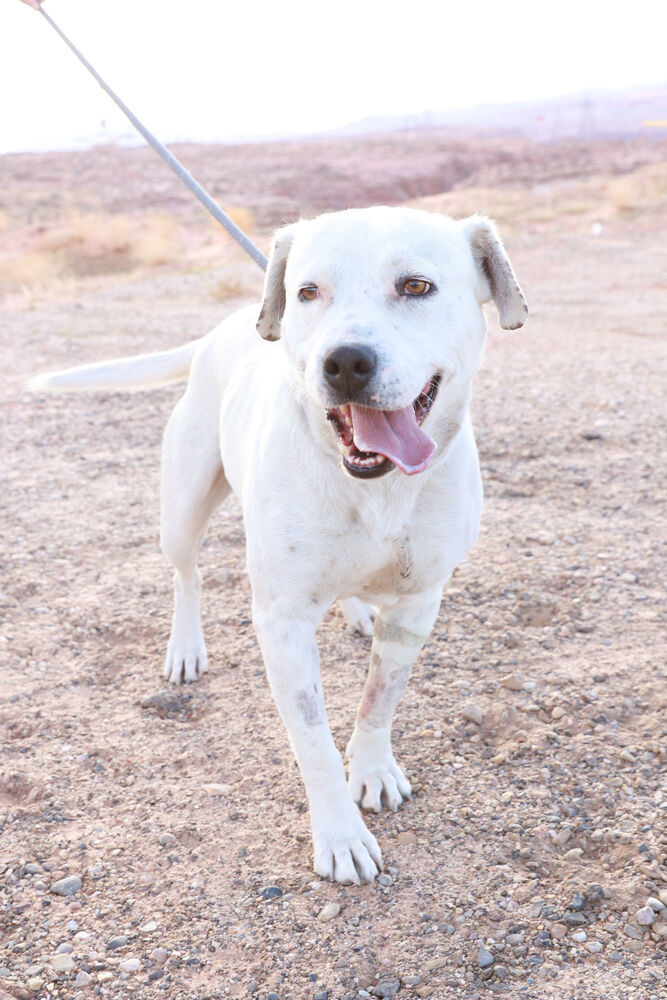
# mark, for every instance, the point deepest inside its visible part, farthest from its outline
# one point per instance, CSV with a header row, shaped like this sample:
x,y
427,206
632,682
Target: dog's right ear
x,y
273,302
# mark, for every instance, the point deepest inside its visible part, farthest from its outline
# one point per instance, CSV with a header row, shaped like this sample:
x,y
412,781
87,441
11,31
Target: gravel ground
x,y
155,842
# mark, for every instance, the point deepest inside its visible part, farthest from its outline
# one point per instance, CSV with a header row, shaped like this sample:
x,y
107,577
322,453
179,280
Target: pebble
x,y
167,839
83,979
35,984
328,912
645,916
148,927
578,903
104,977
561,837
633,932
594,947
65,948
119,941
67,886
387,987
385,880
72,925
513,682
558,931
655,904
158,955
214,789
130,965
557,712
271,892
35,970
580,936
32,868
573,854
407,837
156,974
484,958
472,713
61,963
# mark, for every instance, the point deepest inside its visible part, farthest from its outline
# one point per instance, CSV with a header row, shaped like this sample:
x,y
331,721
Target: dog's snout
x,y
349,369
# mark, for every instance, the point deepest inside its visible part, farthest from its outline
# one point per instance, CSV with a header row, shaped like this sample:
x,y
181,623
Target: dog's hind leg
x,y
400,631
193,486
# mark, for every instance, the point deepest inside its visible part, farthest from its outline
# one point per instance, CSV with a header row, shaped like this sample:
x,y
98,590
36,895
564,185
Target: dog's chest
x,y
396,572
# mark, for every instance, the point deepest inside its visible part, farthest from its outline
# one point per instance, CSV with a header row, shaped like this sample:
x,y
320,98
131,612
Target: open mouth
x,y
373,441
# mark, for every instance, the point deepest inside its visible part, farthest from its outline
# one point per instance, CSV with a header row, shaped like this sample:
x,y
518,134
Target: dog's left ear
x,y
496,270
273,301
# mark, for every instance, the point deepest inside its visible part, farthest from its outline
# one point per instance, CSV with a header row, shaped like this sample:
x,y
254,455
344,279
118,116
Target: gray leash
x,y
168,158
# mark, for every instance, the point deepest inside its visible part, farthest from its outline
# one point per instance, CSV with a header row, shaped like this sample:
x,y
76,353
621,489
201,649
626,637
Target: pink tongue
x,y
394,434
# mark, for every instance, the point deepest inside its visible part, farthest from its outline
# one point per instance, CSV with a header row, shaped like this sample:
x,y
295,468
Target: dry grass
x,y
103,244
643,188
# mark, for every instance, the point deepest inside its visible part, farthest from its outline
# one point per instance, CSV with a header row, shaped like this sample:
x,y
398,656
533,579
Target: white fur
x,y
253,420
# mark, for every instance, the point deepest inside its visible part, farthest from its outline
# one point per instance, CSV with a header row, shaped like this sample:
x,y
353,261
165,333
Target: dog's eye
x,y
308,293
416,286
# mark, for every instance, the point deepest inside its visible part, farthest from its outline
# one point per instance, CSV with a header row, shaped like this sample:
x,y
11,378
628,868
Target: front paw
x,y
186,658
345,851
375,779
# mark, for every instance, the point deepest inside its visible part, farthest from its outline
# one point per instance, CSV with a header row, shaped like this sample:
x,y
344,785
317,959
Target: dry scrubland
x,y
532,861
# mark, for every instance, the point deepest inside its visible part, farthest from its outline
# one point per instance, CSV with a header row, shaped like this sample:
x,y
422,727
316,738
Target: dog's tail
x,y
141,371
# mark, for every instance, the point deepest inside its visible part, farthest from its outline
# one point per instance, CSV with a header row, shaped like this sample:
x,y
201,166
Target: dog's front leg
x,y
399,634
344,849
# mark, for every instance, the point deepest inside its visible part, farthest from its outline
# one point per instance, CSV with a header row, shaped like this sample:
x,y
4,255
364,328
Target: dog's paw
x,y
359,616
348,853
378,788
375,779
185,661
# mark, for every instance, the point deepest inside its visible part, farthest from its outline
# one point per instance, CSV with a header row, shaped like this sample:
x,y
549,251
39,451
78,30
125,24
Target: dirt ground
x,y
533,729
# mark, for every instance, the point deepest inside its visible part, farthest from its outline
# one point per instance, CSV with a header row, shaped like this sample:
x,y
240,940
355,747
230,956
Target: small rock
x,y
167,839
574,919
158,955
407,837
573,854
104,977
32,868
386,987
513,939
578,903
328,912
579,936
558,931
513,682
557,712
83,979
594,893
385,880
633,932
214,789
61,963
164,702
72,925
500,971
594,947
65,948
562,837
35,984
271,892
67,886
472,713
655,904
119,941
155,974
130,965
484,958
645,916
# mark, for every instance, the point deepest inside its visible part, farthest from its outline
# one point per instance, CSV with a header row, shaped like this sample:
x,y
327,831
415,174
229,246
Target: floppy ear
x,y
494,265
273,302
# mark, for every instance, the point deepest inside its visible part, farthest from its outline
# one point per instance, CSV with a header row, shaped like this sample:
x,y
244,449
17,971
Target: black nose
x,y
349,369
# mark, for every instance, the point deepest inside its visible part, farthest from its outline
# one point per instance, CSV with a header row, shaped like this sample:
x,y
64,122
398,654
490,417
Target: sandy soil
x,y
179,809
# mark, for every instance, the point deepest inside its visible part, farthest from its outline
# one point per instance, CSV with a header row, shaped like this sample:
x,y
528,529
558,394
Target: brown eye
x,y
308,293
416,286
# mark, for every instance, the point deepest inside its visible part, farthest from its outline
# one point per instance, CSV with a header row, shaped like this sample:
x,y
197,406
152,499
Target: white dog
x,y
350,447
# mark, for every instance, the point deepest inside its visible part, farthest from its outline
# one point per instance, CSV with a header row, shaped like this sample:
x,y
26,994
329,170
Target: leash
x,y
171,161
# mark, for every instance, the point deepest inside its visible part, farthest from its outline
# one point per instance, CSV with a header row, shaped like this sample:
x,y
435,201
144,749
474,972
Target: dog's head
x,y
380,313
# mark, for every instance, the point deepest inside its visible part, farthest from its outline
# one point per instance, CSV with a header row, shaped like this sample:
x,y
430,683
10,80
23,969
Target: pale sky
x,y
206,70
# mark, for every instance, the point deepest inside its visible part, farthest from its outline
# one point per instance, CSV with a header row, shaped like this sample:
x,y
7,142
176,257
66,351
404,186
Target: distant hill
x,y
590,114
